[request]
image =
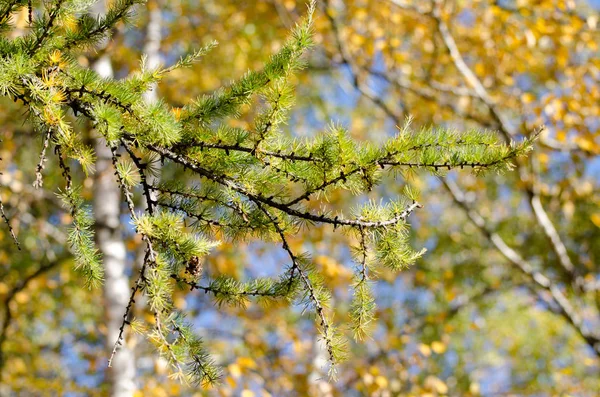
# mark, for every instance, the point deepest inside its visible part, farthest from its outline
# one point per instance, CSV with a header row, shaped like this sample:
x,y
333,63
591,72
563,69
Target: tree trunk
x,y
107,211
152,45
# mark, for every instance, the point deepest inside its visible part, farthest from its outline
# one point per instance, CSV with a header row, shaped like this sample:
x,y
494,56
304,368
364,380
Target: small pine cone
x,y
194,267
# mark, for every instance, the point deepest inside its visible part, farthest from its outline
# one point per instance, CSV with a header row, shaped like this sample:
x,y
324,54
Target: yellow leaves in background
x,y
247,393
3,289
595,218
424,349
374,380
334,272
240,366
587,144
435,385
22,297
527,98
225,259
555,109
543,158
237,369
437,347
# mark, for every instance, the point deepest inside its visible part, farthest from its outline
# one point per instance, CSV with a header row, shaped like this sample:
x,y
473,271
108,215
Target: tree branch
x,y
565,308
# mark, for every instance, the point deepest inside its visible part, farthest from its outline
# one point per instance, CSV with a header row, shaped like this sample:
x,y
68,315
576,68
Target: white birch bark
x,y
107,204
152,45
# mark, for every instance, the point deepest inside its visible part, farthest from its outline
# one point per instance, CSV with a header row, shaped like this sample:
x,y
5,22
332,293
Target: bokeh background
x,y
468,319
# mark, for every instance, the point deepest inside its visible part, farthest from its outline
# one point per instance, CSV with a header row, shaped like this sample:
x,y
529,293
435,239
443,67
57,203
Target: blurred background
x,y
505,302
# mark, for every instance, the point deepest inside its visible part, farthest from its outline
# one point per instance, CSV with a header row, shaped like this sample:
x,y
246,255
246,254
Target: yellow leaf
x,y
438,347
247,393
474,388
381,382
22,297
234,370
3,288
588,361
246,362
424,349
586,144
180,302
527,98
231,382
357,40
596,219
480,69
361,14
569,209
18,366
448,274
434,383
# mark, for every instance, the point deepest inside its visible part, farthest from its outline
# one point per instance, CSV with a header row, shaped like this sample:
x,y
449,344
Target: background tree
x,y
504,67
427,342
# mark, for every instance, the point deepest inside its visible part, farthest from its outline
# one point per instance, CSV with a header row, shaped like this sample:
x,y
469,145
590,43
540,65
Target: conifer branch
x,y
362,307
327,329
286,207
149,256
229,290
39,181
39,42
9,7
173,359
91,31
247,183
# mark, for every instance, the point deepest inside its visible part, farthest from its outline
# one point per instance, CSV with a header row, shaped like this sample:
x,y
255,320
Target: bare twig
x,y
20,286
10,228
565,308
39,181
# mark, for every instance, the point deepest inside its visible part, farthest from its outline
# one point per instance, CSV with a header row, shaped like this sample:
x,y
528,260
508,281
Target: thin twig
x,y
565,308
10,228
39,181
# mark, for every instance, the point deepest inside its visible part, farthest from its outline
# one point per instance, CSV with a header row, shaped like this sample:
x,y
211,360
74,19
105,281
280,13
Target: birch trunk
x,y
107,211
152,45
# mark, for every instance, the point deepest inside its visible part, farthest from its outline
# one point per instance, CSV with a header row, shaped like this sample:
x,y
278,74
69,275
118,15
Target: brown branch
x,y
565,307
10,228
508,132
39,181
20,286
347,60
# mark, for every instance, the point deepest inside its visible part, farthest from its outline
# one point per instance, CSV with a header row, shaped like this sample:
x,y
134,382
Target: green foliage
x,y
243,183
81,238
